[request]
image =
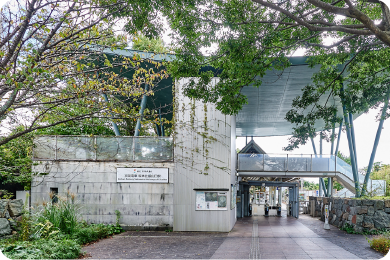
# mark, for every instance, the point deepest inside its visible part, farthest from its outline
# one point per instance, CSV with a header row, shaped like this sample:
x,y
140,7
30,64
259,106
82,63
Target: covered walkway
x,y
256,237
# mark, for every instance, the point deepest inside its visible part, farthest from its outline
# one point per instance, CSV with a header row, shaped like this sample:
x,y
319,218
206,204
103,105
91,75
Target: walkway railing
x,y
309,165
95,148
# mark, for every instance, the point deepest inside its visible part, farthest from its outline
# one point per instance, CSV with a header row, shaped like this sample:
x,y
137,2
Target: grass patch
x,y
55,231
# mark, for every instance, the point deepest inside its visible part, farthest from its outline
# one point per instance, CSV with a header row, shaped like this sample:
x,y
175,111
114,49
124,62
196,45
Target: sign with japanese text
x,y
155,175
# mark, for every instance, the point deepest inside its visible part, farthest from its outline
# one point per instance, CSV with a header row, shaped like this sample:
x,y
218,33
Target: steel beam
x,y
338,138
141,112
114,125
351,152
353,139
332,137
376,142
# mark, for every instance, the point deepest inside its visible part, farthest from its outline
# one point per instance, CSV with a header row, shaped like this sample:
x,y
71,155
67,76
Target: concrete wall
x,y
203,160
143,206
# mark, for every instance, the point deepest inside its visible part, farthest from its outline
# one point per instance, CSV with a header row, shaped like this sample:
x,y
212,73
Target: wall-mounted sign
x,y
211,200
155,175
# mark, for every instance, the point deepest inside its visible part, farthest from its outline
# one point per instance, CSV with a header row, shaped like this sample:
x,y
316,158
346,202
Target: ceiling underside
x,y
264,115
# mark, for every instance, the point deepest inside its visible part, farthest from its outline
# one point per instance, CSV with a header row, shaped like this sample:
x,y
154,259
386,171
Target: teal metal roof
x,y
264,115
267,105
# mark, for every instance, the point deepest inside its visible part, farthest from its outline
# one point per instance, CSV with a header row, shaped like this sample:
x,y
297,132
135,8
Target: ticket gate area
x,y
244,205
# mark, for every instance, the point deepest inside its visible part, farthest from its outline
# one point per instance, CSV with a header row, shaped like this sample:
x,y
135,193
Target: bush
x,y
54,231
41,249
380,243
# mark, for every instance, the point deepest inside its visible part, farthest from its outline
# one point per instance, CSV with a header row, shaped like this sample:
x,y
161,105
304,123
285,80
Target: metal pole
x,y
161,124
330,187
338,138
141,112
376,142
334,125
351,152
114,125
353,138
322,179
314,146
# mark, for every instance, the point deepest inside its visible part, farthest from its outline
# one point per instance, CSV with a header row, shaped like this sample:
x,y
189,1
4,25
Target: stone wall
x,y
362,214
10,212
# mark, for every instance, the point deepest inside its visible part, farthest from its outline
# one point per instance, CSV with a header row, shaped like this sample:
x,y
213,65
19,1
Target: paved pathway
x,y
257,237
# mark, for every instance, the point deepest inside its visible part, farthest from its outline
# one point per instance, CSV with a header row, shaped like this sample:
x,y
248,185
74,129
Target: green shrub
x,y
380,243
63,215
41,249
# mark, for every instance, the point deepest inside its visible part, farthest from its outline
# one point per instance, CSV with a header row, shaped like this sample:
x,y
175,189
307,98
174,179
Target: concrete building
x,y
193,181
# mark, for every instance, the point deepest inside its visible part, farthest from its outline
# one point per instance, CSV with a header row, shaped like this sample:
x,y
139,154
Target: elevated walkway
x,y
288,166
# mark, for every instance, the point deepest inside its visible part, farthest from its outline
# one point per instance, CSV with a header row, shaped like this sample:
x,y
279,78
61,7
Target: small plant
x,y
4,194
380,243
117,227
348,228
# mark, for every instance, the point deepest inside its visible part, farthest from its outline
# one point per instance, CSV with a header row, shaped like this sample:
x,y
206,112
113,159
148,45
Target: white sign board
x,y
211,200
155,175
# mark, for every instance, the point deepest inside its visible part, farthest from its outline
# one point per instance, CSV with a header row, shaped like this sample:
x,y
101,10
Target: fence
x,y
95,148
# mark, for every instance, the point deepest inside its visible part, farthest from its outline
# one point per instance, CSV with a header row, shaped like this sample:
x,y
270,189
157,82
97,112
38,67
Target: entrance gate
x,y
243,194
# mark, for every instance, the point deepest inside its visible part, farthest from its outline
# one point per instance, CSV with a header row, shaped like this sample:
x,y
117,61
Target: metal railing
x,y
96,148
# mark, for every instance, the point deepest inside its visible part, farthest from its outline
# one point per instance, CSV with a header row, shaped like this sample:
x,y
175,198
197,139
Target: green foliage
x,y
41,249
336,185
15,160
345,158
382,172
380,243
53,231
5,194
310,185
62,215
89,126
143,43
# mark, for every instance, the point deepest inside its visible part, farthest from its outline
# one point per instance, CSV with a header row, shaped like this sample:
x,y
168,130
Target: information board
x,y
211,200
155,175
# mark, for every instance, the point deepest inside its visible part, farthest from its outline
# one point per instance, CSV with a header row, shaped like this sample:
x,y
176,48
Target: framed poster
x,y
211,200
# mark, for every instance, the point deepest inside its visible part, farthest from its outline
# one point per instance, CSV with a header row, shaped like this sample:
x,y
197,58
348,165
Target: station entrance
x,y
267,202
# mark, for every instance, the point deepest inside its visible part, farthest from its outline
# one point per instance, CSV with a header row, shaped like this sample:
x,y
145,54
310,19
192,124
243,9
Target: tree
x,y
54,68
382,172
250,37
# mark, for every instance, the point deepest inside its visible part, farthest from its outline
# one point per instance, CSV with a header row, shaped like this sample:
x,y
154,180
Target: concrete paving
x,y
256,237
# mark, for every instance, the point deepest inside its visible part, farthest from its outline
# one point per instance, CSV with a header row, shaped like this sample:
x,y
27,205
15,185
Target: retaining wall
x,y
10,212
362,214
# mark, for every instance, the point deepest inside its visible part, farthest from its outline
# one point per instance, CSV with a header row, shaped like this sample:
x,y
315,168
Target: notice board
x,y
211,200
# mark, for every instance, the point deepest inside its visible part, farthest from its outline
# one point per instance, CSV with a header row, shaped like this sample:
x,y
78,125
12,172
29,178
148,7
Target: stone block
x,y
345,216
358,202
378,204
362,210
5,228
381,220
353,210
12,223
15,207
3,207
368,222
344,208
346,201
339,213
359,219
348,209
350,217
387,210
387,203
367,202
370,211
352,203
353,219
358,229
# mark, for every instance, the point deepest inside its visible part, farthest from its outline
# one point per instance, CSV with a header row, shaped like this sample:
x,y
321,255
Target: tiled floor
x,y
278,238
256,237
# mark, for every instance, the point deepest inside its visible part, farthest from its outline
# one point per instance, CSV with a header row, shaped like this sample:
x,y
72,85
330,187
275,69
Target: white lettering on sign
x,y
155,175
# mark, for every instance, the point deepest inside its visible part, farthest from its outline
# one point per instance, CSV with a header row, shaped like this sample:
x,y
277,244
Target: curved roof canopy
x,y
264,115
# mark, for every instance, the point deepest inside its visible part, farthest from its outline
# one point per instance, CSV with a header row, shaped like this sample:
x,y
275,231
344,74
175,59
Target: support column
x,y
246,200
376,142
353,139
114,125
141,112
351,150
338,138
280,196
